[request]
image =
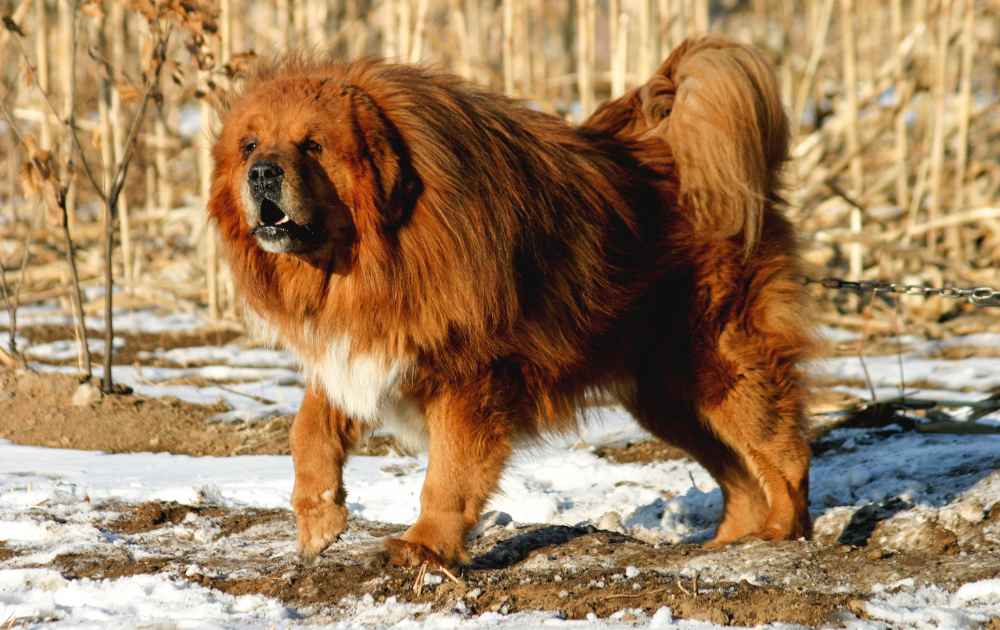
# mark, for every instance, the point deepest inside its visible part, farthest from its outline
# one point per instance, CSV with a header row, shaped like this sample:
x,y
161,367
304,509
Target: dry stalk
x,y
964,117
416,53
809,76
903,91
118,46
937,144
700,16
114,192
390,45
584,51
283,24
851,129
55,195
405,16
645,41
663,24
508,47
619,54
42,67
458,25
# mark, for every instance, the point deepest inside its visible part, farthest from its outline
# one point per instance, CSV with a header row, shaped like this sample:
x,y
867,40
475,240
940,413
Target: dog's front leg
x,y
320,438
467,451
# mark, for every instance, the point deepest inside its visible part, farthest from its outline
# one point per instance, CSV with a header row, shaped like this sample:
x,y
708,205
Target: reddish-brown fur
x,y
512,264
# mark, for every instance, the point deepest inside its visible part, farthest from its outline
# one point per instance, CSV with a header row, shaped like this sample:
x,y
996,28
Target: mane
x,y
521,221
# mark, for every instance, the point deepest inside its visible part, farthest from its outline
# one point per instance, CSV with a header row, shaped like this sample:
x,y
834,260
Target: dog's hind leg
x,y
769,440
674,420
467,453
757,410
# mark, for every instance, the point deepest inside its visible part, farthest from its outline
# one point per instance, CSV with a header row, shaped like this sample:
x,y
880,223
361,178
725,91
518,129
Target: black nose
x,y
265,177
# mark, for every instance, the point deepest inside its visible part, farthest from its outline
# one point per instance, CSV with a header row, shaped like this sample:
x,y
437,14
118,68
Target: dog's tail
x,y
716,103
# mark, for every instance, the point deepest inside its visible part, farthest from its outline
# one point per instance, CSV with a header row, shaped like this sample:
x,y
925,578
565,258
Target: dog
x,y
465,272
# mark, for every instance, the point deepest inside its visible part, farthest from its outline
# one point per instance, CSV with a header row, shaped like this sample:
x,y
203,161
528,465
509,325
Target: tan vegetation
x,y
894,105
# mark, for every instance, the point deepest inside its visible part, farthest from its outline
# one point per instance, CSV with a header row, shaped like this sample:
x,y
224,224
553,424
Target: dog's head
x,y
312,166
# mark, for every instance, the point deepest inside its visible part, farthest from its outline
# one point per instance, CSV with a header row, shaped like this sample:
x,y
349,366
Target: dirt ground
x,y
45,416
574,570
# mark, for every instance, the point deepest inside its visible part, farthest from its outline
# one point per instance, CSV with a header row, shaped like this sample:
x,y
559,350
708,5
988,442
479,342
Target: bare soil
x,y
574,570
37,410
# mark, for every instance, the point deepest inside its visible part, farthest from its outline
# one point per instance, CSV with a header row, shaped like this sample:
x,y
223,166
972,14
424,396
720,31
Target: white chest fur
x,y
366,387
360,384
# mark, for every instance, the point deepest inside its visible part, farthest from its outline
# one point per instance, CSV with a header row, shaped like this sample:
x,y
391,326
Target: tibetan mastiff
x,y
468,273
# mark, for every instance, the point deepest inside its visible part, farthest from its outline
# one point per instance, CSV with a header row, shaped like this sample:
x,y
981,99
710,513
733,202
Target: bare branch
x,y
69,123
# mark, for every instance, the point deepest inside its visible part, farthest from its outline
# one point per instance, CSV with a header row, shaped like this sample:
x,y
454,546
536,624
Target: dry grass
x,y
895,107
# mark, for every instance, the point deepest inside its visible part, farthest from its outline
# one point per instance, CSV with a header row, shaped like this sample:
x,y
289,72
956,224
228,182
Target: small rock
x,y
971,510
631,572
432,579
612,522
879,554
86,394
489,521
663,618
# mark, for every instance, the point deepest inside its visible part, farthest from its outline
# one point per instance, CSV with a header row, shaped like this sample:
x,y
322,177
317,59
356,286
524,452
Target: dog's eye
x,y
310,146
248,147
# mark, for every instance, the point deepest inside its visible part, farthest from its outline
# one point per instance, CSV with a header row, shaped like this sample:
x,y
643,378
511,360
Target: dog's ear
x,y
384,175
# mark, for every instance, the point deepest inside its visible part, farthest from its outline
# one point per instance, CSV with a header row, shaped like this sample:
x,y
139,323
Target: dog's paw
x,y
405,553
320,521
402,553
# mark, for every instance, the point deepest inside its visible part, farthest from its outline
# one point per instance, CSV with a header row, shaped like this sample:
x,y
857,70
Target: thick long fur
x,y
716,104
487,266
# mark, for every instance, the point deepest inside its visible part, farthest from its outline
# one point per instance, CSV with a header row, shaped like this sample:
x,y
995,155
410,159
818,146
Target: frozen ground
x,y
907,522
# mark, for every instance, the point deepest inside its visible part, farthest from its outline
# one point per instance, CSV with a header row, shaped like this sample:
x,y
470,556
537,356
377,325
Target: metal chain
x,y
979,296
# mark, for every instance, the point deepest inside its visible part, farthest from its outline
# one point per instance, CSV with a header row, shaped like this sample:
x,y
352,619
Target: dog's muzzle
x,y
274,229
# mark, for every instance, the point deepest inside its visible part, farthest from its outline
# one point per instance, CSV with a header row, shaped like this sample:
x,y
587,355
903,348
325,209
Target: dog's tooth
x,y
283,221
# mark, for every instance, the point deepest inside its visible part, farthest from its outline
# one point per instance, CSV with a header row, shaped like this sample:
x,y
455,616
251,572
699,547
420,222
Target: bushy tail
x,y
716,104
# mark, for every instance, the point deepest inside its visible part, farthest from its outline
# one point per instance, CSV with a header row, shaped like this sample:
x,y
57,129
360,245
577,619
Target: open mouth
x,y
278,233
271,214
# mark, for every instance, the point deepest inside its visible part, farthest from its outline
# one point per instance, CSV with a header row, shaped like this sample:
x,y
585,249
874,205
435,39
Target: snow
x,y
137,601
48,496
144,320
932,607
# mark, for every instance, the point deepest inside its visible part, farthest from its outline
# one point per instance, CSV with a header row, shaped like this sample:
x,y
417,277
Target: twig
x,y
418,584
70,122
897,317
7,360
263,401
451,576
111,203
840,192
635,595
694,586
864,366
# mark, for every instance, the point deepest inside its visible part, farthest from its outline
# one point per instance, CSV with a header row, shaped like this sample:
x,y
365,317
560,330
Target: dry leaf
x,y
127,92
11,25
240,63
29,73
38,170
92,8
146,8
